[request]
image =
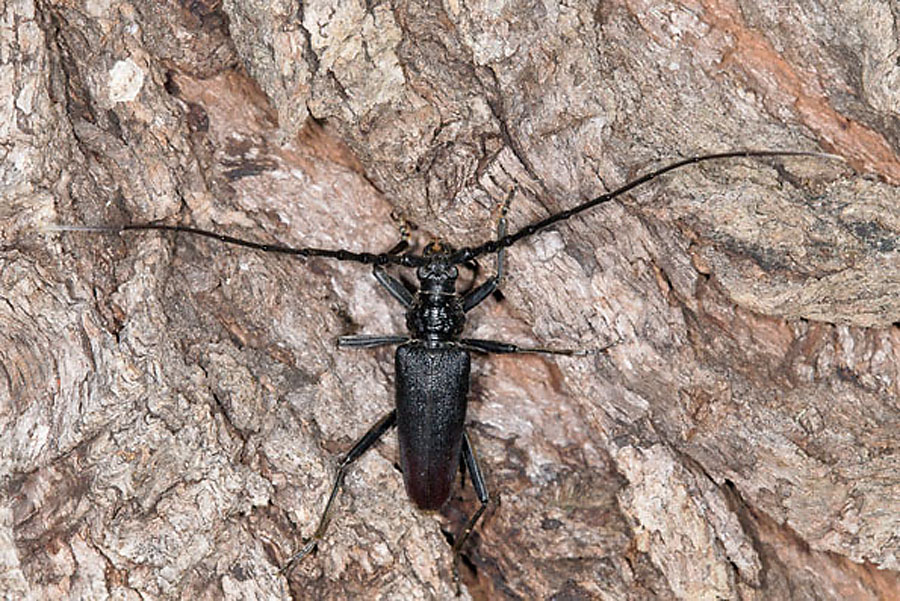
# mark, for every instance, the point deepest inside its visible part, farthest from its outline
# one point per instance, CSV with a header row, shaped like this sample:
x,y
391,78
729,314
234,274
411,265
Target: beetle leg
x,y
473,298
395,287
361,446
471,463
369,341
475,268
494,346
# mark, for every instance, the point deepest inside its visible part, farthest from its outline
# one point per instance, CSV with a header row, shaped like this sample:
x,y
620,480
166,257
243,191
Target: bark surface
x,y
172,410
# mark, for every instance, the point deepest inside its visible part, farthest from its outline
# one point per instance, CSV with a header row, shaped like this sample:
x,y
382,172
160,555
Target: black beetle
x,y
432,362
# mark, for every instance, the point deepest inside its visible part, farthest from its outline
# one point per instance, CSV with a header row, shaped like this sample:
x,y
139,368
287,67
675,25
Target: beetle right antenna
x,y
467,254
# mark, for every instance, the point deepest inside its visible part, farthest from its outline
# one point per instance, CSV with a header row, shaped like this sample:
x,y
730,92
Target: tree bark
x,y
173,409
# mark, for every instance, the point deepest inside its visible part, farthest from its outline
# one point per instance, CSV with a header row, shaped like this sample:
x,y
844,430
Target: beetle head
x,y
437,275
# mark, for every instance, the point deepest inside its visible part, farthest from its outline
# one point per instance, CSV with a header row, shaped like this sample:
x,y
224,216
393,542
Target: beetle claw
x,y
310,546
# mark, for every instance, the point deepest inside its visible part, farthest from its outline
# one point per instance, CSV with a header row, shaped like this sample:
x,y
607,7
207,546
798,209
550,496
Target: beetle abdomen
x,y
432,384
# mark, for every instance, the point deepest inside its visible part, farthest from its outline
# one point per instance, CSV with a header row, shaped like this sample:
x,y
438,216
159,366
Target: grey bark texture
x,y
172,410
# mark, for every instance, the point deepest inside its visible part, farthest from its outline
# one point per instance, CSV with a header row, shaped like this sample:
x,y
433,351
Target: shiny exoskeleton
x,y
432,373
432,383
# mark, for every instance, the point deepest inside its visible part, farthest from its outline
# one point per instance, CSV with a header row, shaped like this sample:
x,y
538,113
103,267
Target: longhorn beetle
x,y
432,361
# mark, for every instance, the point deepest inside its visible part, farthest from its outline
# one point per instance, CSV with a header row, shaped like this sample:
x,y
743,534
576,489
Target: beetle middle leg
x,y
370,340
495,346
362,445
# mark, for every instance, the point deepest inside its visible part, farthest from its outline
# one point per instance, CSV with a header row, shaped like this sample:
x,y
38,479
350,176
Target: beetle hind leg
x,y
471,464
362,445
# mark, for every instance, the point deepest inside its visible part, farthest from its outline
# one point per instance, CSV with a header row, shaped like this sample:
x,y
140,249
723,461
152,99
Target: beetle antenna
x,y
365,258
467,254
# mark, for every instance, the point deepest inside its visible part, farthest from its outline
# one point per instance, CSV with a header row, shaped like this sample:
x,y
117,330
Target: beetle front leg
x,y
395,287
474,297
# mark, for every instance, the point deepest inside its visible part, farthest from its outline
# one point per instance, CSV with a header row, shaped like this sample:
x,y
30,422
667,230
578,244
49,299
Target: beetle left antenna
x,y
339,254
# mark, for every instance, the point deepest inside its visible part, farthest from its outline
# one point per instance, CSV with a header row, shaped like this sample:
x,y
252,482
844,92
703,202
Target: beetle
x,y
432,361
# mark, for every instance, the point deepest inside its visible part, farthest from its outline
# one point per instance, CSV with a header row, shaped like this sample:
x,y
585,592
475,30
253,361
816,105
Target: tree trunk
x,y
173,409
